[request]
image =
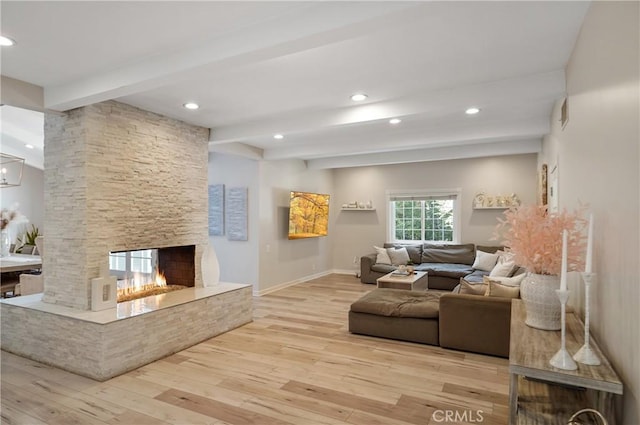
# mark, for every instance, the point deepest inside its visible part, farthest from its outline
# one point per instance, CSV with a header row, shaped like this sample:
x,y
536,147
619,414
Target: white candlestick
x,y
563,271
589,262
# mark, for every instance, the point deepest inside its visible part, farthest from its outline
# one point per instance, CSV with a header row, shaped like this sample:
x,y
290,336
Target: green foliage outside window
x,y
430,220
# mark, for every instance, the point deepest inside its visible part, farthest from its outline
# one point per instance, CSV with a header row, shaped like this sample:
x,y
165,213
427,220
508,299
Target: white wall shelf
x,y
357,209
491,208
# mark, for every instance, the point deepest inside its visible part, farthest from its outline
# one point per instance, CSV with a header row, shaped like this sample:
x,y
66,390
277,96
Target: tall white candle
x,y
589,262
563,271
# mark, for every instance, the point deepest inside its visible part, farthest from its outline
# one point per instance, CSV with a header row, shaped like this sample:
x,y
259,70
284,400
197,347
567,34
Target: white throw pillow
x,y
383,256
509,281
398,256
503,269
485,261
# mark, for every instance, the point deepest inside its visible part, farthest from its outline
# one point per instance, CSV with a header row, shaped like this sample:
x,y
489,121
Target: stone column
x,y
118,178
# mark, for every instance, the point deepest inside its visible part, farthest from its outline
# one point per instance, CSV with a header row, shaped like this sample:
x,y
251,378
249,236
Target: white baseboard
x,y
291,283
305,279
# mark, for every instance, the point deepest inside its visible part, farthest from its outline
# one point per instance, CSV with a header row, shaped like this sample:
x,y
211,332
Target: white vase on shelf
x,y
210,267
5,243
538,293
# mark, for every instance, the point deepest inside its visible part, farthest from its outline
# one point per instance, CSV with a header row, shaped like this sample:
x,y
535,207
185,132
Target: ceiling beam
x,y
437,154
303,29
540,87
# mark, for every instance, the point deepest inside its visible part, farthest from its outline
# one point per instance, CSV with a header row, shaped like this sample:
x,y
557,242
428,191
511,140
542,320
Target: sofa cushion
x,y
383,268
490,249
399,256
473,288
455,271
485,261
503,269
414,251
448,253
497,289
399,303
509,281
476,276
382,256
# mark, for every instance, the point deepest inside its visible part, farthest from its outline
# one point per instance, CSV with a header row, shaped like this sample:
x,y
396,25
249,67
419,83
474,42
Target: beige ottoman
x,y
397,314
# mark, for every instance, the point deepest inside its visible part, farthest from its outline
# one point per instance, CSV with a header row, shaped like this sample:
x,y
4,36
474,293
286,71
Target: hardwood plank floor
x,y
296,363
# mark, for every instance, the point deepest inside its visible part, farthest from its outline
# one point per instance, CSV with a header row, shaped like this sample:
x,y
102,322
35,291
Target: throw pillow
x,y
485,261
503,269
470,289
496,289
509,281
383,256
398,256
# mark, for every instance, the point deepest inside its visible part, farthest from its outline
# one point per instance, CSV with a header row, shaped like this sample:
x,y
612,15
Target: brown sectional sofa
x,y
472,323
445,263
475,323
464,322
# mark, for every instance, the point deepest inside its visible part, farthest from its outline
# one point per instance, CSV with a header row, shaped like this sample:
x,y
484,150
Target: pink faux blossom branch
x,y
534,236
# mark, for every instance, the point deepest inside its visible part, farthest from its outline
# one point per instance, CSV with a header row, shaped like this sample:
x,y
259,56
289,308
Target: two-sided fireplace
x,y
152,271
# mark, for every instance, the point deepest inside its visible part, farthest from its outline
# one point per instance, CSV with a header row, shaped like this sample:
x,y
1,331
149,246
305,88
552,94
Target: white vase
x,y
5,243
210,267
538,292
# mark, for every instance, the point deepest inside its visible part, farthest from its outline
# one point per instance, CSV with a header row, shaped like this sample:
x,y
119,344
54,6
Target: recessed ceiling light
x,y
278,136
6,41
395,121
28,146
472,111
359,97
191,105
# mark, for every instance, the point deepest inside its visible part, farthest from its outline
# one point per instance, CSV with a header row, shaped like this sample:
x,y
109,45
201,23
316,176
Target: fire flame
x,y
135,284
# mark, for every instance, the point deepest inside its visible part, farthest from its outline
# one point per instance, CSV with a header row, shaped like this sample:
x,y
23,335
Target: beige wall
x,y
284,261
598,161
356,232
238,259
269,260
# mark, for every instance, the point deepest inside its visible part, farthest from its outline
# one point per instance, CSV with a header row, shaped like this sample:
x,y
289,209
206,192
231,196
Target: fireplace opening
x,y
153,271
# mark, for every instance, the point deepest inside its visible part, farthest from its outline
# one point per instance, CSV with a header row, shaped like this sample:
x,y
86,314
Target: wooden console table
x,y
542,394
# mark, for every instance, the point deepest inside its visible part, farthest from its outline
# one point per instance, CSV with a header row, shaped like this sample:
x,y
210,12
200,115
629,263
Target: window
x,y
126,264
425,216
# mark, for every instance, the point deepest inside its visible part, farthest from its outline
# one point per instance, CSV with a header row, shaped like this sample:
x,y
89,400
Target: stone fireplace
x,y
120,179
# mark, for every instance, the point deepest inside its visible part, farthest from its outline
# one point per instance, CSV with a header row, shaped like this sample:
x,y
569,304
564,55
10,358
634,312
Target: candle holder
x,y
586,355
562,359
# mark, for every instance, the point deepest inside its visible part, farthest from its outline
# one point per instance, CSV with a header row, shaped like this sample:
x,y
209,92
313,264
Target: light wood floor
x,y
295,364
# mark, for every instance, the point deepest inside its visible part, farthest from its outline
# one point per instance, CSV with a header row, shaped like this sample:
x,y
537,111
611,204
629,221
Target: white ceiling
x,y
260,68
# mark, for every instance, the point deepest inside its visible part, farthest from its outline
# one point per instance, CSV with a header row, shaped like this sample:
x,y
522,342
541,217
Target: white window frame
x,y
425,193
128,270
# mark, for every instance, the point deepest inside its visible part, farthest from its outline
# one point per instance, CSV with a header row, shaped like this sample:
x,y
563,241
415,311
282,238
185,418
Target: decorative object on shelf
x,y
534,236
562,359
585,354
484,201
358,205
10,170
210,267
573,420
538,293
5,243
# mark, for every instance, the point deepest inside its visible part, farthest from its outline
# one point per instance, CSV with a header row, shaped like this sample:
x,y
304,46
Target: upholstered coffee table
x,y
418,281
